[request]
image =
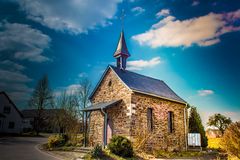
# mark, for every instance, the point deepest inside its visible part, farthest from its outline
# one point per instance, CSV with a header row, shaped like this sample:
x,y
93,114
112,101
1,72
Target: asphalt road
x,y
23,148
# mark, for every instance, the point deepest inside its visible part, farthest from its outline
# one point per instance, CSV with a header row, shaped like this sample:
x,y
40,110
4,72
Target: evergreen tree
x,y
195,126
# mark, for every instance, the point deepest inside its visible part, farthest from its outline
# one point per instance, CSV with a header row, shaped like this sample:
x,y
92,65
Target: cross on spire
x,y
121,54
122,19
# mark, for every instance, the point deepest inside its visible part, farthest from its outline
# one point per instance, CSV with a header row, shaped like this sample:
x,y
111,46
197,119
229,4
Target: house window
x,y
149,119
11,125
7,109
110,83
170,122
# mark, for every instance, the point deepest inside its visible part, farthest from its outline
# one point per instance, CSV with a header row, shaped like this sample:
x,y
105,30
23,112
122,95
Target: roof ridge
x,y
139,74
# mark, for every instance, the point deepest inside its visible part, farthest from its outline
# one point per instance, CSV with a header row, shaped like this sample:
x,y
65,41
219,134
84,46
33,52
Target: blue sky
x,y
192,45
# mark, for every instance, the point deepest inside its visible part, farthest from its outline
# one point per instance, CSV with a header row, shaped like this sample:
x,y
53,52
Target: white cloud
x,y
23,41
195,3
71,89
11,65
205,92
74,16
137,10
203,31
140,64
16,86
163,13
11,76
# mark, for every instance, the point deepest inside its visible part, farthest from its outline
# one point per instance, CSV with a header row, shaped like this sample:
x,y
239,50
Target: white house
x,y
11,119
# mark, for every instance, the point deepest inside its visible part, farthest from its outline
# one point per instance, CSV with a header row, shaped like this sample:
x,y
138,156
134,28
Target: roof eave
x,y
154,95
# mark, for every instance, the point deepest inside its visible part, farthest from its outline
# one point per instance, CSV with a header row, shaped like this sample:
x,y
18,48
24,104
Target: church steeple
x,y
121,54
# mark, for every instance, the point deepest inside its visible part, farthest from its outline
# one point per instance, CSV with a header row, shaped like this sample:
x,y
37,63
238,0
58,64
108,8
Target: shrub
x,y
56,141
121,146
97,151
231,139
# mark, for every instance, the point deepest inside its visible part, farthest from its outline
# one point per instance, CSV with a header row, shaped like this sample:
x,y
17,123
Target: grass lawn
x,y
214,143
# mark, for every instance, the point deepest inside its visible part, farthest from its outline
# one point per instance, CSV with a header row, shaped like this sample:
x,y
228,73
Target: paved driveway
x,y
23,148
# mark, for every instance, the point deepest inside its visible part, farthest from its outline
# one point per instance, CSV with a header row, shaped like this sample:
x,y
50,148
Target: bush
x,y
97,151
121,146
56,141
231,140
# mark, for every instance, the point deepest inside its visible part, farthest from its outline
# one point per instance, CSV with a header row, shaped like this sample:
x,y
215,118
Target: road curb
x,y
37,147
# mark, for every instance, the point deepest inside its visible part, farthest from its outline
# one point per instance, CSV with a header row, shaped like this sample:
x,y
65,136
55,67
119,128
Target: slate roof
x,y
102,105
144,84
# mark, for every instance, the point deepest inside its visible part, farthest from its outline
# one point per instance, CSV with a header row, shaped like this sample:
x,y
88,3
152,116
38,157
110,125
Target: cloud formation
x,y
7,64
11,76
73,16
195,3
71,89
137,10
15,83
163,13
202,31
141,64
23,41
205,92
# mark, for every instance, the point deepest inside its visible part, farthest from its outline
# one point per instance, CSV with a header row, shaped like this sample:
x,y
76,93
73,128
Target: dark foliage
x,y
219,121
195,126
121,146
97,151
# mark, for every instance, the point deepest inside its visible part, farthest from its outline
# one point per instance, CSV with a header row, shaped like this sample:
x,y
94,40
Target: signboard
x,y
194,139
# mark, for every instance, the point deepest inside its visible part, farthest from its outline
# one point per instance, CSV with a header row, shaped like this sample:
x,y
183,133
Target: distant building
x,y
213,133
136,106
48,117
10,117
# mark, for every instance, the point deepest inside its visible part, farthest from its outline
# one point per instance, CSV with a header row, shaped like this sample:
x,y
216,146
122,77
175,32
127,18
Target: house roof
x,y
143,84
102,105
11,102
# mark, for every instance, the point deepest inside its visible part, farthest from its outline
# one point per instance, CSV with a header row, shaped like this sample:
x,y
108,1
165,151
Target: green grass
x,y
214,143
183,154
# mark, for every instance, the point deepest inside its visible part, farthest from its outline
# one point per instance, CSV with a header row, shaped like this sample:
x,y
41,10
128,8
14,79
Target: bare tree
x,y
41,99
83,101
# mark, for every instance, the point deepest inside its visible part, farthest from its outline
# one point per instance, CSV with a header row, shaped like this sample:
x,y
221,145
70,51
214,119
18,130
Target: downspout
x,y
185,126
85,127
105,128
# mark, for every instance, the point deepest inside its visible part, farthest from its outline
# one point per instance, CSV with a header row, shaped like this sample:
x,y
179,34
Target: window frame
x,y
150,119
7,109
11,125
170,122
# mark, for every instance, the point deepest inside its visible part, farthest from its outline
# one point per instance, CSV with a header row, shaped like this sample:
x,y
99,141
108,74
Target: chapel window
x,y
150,119
170,122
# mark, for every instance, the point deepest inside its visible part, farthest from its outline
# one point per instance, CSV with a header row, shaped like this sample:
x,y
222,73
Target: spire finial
x,y
122,19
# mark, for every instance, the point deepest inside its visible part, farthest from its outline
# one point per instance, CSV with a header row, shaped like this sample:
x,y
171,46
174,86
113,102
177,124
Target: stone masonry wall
x,y
159,137
110,89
